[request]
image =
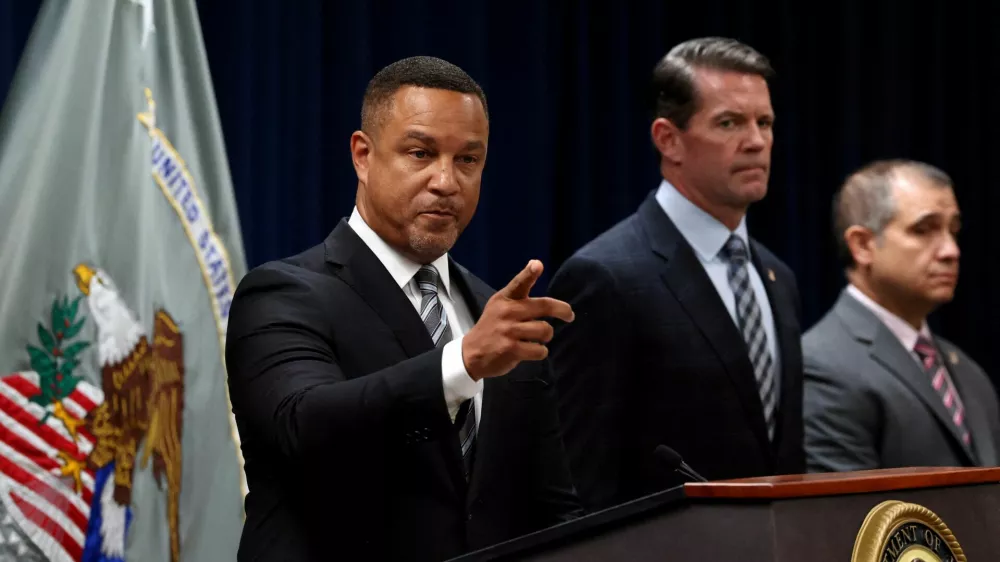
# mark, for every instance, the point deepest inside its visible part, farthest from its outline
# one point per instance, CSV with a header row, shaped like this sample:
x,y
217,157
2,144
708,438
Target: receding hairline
x,y
868,196
702,73
915,171
910,181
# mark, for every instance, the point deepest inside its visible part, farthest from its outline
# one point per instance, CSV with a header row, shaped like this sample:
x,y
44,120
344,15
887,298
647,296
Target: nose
x,y
444,180
756,140
949,248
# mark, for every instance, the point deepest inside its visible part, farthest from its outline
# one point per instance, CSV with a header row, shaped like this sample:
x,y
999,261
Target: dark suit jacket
x,y
653,357
869,404
350,453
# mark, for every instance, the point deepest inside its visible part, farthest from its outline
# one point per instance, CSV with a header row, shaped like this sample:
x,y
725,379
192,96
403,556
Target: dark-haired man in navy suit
x,y
686,330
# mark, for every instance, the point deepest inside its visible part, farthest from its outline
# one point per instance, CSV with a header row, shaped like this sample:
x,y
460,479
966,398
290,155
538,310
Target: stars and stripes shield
x,y
121,249
45,484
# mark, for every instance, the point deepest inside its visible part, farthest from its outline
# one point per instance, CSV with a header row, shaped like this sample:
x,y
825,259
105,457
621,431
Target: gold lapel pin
x,y
770,274
953,357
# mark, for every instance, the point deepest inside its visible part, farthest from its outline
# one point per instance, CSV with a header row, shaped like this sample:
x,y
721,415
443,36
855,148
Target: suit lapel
x,y
354,263
886,349
975,416
357,265
787,330
685,277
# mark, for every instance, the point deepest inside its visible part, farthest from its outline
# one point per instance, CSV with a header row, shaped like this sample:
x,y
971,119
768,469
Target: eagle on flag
x,y
92,437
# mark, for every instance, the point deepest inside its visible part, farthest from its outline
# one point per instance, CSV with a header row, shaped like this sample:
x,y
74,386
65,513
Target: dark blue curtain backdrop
x,y
569,151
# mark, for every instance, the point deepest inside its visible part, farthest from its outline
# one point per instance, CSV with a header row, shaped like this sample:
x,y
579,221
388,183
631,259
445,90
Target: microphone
x,y
672,460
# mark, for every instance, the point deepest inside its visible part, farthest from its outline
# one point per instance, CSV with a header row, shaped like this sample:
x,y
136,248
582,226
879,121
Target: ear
x,y
361,152
861,242
667,139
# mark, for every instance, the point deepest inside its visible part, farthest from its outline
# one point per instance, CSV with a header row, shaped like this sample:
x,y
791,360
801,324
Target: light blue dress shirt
x,y
707,236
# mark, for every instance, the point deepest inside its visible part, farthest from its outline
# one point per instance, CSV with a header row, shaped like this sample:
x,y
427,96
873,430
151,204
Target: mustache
x,y
445,207
751,166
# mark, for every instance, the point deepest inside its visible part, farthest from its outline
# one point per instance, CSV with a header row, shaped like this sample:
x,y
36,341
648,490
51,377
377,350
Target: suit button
x,y
469,517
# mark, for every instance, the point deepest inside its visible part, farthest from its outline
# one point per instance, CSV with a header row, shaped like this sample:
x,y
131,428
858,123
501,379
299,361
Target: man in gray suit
x,y
880,389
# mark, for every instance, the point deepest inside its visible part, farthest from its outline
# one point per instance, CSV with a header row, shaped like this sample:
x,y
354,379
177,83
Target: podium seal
x,y
896,531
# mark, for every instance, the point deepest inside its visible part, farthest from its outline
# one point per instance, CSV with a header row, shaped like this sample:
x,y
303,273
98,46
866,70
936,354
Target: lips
x,y
440,213
439,217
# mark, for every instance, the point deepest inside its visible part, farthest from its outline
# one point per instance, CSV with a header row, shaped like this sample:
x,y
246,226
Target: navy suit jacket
x,y
653,357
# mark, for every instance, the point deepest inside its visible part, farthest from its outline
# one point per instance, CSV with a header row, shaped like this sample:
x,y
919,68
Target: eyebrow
x,y
732,114
727,114
930,215
424,138
431,142
925,216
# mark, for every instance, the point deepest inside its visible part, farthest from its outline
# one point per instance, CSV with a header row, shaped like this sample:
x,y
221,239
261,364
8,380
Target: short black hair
x,y
865,198
421,71
673,76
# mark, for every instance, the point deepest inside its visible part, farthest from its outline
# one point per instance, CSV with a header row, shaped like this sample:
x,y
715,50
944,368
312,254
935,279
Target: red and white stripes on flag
x,y
45,504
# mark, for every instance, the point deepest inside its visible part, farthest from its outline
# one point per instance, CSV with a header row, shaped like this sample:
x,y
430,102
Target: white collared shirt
x,y
900,328
707,236
458,386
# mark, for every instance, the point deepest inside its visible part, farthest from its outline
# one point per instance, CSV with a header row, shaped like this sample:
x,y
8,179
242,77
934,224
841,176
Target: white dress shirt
x,y
458,386
900,328
708,236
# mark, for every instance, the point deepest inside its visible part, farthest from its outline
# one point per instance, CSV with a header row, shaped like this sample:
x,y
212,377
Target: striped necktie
x,y
943,385
436,320
751,325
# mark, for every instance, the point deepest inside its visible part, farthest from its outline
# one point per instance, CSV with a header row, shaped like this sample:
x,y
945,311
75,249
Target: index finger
x,y
549,307
521,284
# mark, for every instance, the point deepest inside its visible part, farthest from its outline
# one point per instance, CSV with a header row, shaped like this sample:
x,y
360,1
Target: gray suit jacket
x,y
868,404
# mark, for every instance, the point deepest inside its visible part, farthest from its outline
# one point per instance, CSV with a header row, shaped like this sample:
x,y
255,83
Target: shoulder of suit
x,y
621,237
829,344
584,271
305,264
618,246
821,329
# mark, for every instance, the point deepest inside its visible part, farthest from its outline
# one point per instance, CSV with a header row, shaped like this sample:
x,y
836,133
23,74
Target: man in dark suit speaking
x,y
686,331
390,404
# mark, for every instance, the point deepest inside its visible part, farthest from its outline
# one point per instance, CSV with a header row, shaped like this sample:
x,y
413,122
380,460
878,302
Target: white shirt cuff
x,y
458,385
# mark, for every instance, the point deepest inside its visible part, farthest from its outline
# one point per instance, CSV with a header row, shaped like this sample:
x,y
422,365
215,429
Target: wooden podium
x,y
813,517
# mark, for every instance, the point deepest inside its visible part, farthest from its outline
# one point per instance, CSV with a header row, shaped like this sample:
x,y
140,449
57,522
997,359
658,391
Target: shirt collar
x,y
900,328
701,230
401,268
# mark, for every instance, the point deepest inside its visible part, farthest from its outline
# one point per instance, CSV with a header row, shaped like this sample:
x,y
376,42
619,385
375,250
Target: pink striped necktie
x,y
943,385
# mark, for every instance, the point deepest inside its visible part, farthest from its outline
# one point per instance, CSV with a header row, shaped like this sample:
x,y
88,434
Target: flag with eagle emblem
x,y
121,249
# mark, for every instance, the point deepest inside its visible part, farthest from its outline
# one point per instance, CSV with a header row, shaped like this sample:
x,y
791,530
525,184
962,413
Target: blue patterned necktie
x,y
436,320
751,325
